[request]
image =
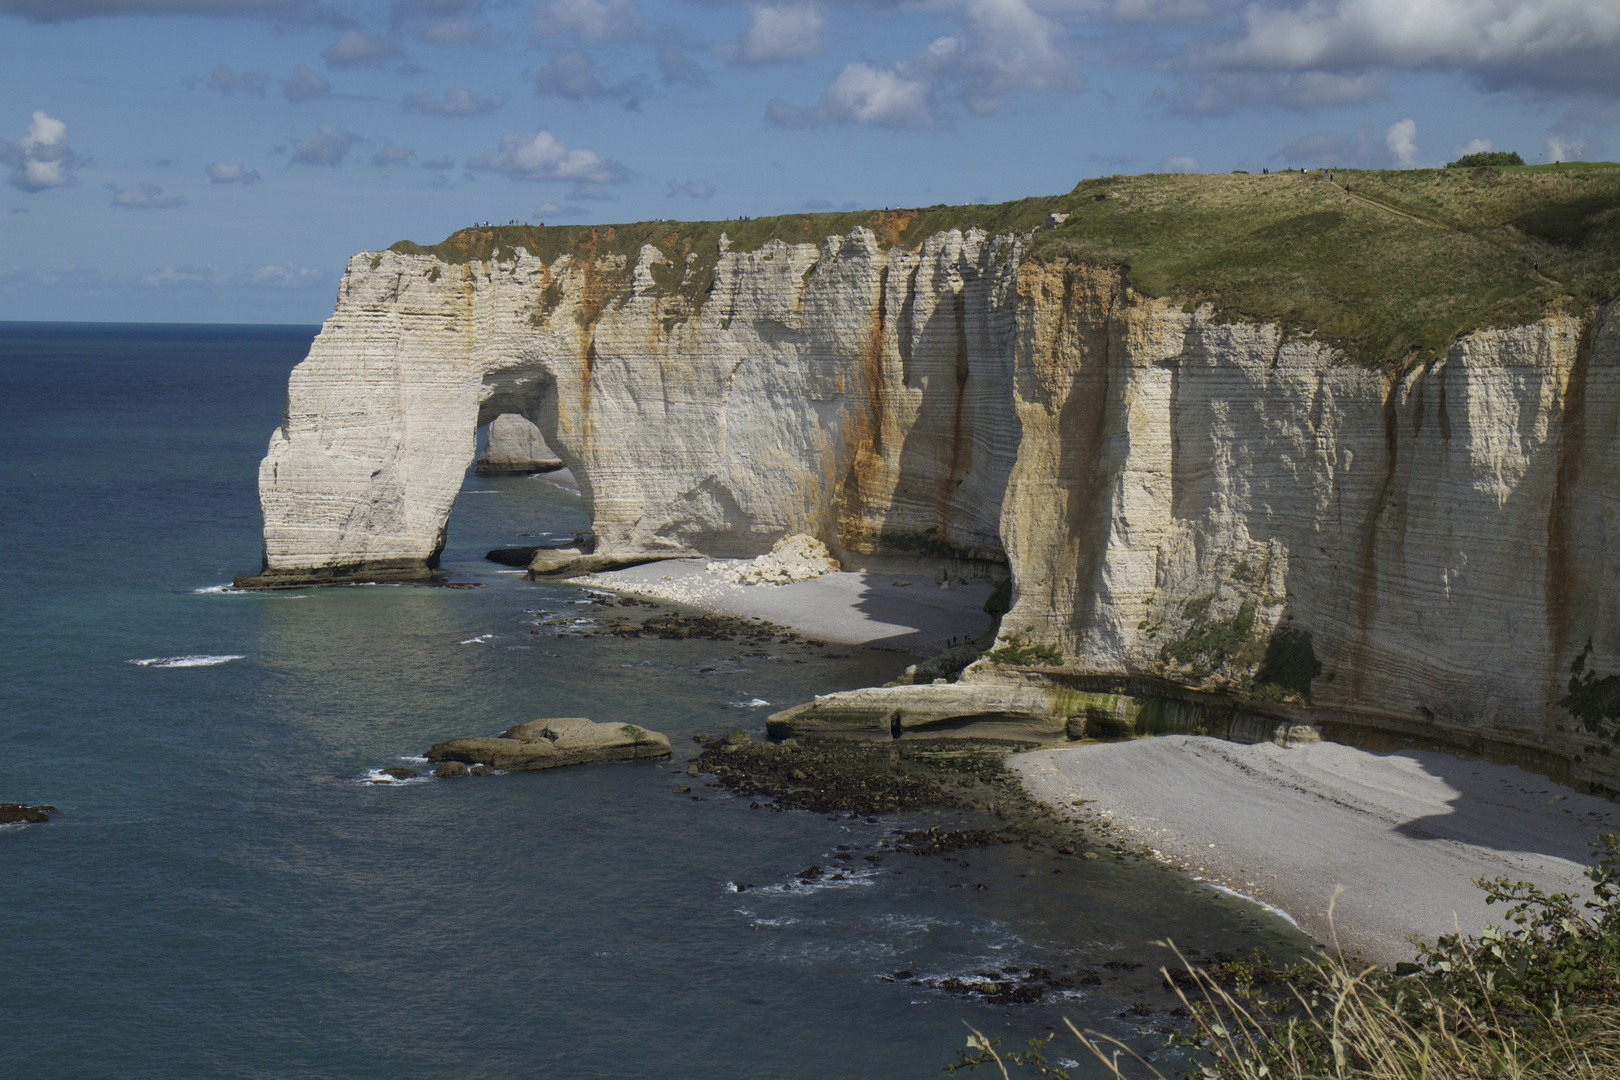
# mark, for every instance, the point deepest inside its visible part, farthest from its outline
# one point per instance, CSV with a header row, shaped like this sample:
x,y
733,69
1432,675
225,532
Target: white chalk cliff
x,y
1182,503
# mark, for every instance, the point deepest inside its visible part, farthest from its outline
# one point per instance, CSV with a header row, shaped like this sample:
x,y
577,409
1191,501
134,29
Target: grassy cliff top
x,y
1390,266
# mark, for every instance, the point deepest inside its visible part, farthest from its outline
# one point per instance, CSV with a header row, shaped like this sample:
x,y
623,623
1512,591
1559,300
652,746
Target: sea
x,y
226,892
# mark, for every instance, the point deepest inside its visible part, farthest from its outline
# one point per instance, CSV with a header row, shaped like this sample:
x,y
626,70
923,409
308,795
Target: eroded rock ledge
x,y
551,742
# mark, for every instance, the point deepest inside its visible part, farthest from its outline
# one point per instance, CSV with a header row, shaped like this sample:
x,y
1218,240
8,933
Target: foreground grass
x,y
1388,266
1538,1001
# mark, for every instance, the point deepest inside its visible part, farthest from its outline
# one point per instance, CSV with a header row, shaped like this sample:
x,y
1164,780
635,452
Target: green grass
x,y
1390,272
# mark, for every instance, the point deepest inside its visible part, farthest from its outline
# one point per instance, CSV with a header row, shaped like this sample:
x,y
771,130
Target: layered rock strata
x,y
1186,505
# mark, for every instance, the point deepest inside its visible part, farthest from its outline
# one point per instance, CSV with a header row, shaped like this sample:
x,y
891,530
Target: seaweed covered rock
x,y
552,741
14,813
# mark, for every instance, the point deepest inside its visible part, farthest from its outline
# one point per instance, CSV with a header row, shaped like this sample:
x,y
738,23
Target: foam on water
x,y
199,660
1255,900
751,703
381,779
479,640
220,590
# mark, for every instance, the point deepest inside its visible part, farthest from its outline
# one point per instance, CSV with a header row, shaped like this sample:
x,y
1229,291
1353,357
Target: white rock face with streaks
x,y
899,436
1182,504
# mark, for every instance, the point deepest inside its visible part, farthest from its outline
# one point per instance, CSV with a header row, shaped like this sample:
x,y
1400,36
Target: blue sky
x,y
219,160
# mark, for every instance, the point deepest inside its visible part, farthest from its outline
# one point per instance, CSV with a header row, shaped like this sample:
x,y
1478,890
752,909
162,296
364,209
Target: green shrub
x,y
1486,159
1017,650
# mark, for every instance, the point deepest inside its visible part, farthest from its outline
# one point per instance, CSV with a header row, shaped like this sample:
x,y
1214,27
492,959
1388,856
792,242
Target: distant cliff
x,y
1340,452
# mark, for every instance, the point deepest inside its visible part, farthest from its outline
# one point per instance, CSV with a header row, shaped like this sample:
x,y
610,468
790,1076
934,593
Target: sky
x,y
220,160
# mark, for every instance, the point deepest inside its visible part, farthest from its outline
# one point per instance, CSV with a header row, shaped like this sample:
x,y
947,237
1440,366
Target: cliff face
x,y
1183,502
857,394
1218,507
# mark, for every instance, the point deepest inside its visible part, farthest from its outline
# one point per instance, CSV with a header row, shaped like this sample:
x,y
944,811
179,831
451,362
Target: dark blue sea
x,y
223,895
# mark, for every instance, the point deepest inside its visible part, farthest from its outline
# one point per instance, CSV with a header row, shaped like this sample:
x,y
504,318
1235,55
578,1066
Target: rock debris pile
x,y
795,557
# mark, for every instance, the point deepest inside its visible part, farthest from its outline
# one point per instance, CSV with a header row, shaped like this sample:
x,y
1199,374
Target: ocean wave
x,y
479,640
219,590
186,661
484,491
415,759
1271,908
382,779
751,703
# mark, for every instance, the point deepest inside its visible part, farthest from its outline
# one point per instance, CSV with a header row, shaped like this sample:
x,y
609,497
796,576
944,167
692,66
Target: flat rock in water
x,y
12,813
552,741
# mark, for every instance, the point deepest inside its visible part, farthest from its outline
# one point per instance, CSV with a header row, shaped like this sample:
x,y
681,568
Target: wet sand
x,y
1405,834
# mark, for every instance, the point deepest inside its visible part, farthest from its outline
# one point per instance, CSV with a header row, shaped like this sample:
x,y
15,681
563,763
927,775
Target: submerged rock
x,y
552,741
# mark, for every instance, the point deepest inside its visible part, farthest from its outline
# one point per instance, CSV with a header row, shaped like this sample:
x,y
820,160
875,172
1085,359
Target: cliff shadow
x,y
940,495
1507,808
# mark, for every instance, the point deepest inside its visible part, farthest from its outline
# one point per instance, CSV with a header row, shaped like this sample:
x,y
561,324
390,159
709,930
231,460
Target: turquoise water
x,y
222,895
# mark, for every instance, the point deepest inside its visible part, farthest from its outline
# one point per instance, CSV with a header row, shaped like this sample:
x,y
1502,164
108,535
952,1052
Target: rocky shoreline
x,y
988,806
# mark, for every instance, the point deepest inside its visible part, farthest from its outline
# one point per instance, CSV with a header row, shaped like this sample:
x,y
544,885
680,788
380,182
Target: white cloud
x,y
591,193
557,210
207,274
1401,138
1360,149
690,189
1181,164
66,10
304,84
570,75
594,21
542,156
1403,34
287,275
776,34
357,48
146,197
328,146
1499,44
223,172
1218,93
678,69
458,31
1472,146
1558,149
862,94
1003,47
458,101
228,80
41,159
392,155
